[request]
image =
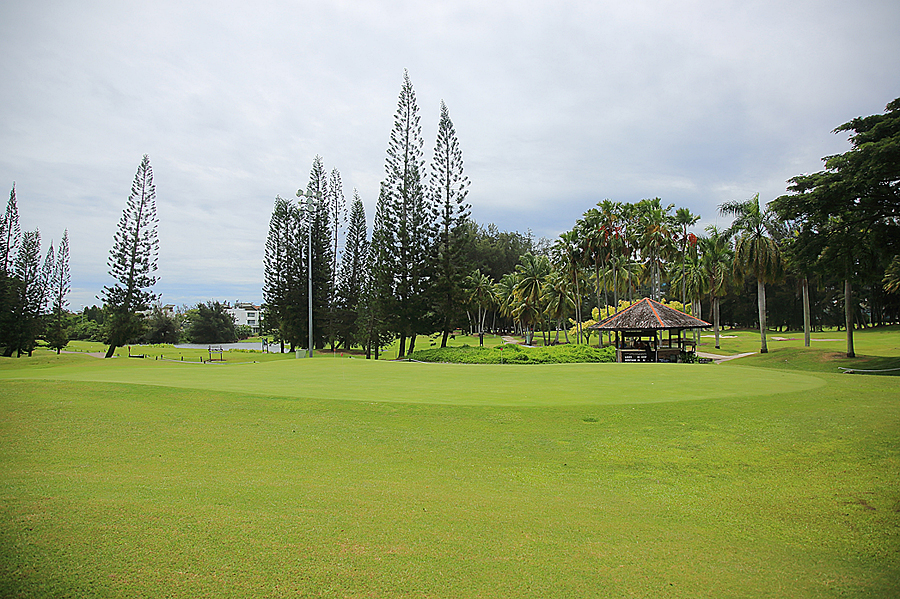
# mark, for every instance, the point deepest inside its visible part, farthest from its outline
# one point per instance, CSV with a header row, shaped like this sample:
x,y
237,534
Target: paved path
x,y
719,359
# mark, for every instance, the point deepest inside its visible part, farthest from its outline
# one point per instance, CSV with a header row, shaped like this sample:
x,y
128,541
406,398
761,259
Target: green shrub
x,y
514,354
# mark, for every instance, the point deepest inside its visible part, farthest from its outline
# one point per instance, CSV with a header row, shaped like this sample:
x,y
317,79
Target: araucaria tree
x,y
9,234
27,289
448,189
58,289
133,260
352,276
411,217
316,222
284,287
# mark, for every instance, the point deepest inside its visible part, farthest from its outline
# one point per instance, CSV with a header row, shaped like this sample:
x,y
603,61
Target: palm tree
x,y
684,219
569,256
505,295
591,236
891,278
717,257
481,295
558,299
756,251
695,283
655,240
532,271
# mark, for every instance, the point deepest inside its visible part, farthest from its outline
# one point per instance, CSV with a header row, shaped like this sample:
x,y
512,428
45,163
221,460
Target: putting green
x,y
405,382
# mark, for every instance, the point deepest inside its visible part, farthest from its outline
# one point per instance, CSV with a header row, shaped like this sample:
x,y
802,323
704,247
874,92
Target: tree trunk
x,y
412,344
111,350
402,350
804,286
761,304
715,302
848,317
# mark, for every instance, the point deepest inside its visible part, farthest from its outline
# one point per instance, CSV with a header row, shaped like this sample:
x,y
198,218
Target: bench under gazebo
x,y
640,332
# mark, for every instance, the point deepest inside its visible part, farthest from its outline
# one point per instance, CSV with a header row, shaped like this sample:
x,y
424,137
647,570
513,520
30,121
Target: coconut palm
x,y
505,295
568,253
532,271
755,252
558,300
656,240
891,278
717,256
480,294
684,219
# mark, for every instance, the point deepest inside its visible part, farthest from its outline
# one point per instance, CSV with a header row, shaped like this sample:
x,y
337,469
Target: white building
x,y
247,314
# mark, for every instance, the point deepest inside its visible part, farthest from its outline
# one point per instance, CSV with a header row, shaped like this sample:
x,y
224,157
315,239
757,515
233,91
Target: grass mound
x,y
514,354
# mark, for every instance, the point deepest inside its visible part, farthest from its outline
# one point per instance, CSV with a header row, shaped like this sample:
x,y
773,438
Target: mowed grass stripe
x,y
383,381
132,490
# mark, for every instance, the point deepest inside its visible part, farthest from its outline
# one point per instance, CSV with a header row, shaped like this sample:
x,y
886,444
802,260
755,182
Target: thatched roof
x,y
647,314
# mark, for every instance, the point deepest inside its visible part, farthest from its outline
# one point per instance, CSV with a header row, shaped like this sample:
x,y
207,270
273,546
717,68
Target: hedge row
x,y
514,354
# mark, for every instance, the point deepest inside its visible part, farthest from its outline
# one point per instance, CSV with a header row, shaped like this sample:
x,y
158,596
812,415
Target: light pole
x,y
307,203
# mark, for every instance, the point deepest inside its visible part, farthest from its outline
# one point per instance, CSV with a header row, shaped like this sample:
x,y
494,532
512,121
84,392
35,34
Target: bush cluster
x,y
514,354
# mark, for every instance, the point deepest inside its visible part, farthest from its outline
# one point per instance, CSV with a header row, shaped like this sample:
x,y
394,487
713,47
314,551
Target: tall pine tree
x,y
412,216
28,296
133,260
352,273
448,188
284,287
58,289
377,308
317,223
9,234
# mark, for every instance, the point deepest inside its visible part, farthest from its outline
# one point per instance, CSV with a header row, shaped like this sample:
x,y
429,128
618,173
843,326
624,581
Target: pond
x,y
274,348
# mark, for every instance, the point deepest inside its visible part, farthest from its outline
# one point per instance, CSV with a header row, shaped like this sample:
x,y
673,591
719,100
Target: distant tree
x,y
133,260
161,327
211,323
337,214
60,284
448,189
9,234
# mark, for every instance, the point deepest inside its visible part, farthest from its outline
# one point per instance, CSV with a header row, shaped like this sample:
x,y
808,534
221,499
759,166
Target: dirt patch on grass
x,y
832,356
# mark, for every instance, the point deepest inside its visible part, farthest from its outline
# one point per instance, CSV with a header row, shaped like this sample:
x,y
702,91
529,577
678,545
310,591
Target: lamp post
x,y
307,203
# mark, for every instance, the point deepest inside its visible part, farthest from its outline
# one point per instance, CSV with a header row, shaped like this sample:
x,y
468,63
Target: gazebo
x,y
639,329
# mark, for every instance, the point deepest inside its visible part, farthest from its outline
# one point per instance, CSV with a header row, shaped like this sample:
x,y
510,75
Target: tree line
x,y
827,253
420,272
33,295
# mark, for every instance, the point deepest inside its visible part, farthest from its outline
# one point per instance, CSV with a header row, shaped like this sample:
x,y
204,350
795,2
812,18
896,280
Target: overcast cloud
x,y
556,107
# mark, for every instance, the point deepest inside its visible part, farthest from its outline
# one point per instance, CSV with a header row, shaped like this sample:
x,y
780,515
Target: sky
x,y
556,105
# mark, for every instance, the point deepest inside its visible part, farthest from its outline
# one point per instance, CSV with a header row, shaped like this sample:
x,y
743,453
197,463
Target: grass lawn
x,y
350,478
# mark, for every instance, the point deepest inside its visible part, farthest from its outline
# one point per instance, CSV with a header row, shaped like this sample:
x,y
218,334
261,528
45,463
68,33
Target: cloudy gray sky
x,y
556,105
